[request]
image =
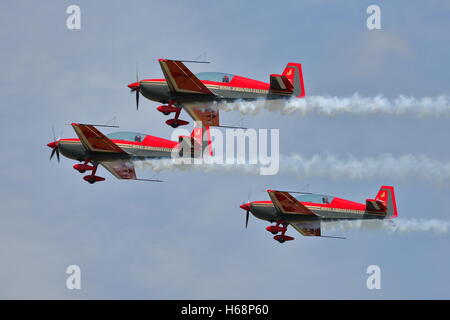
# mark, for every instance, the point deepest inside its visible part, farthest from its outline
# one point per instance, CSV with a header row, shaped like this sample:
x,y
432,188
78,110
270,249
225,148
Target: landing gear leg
x,y
175,122
92,178
281,238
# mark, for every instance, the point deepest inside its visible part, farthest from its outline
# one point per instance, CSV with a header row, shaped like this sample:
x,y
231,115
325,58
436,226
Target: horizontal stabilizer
x,y
189,146
278,82
375,205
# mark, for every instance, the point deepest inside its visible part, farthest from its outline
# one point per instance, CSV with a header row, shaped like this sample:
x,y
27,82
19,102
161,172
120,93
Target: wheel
x,y
92,181
166,113
81,171
281,240
174,125
274,232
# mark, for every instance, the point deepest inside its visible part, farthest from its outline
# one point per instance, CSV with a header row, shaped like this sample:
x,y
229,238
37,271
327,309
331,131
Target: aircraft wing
x,y
311,229
286,203
180,79
93,140
200,112
121,169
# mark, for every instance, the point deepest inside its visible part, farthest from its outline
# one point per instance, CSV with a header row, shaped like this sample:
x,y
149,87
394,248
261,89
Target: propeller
x,y
135,87
137,91
54,146
246,206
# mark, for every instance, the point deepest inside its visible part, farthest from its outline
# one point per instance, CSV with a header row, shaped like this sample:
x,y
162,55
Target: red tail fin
x,y
203,136
386,195
293,72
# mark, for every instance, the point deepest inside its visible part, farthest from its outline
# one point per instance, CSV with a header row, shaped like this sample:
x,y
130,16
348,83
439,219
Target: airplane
x,y
196,93
117,151
305,211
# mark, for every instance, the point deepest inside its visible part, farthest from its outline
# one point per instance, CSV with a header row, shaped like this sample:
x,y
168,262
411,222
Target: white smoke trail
x,y
160,165
402,167
331,105
392,226
386,165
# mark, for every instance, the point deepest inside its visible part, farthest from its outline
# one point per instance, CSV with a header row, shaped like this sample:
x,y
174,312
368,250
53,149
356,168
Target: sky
x,y
186,238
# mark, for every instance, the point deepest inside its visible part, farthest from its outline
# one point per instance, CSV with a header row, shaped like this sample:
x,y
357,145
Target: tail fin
x,y
198,142
206,140
384,201
293,72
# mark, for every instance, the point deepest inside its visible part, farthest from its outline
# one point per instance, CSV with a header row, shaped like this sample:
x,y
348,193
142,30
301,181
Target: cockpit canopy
x,y
127,136
314,198
215,76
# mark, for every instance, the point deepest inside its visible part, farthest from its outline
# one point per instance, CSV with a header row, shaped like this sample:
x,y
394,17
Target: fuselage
x,y
238,88
148,147
336,209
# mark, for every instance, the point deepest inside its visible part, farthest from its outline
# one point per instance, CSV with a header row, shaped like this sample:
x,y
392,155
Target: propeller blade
x,y
137,99
57,154
137,89
53,153
246,219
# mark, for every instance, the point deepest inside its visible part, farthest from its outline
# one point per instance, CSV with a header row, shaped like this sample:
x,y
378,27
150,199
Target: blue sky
x,y
185,238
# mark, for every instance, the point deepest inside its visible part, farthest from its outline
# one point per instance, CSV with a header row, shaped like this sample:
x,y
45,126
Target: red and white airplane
x,y
196,93
117,151
305,211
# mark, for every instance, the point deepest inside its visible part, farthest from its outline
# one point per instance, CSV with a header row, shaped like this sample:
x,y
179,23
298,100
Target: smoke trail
x,y
392,226
160,165
355,104
402,167
350,167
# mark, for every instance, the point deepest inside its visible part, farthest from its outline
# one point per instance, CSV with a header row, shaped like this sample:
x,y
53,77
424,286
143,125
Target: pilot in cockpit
x,y
138,138
225,79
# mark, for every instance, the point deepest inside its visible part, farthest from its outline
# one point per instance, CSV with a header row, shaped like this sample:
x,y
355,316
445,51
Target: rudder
x,y
293,72
386,195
